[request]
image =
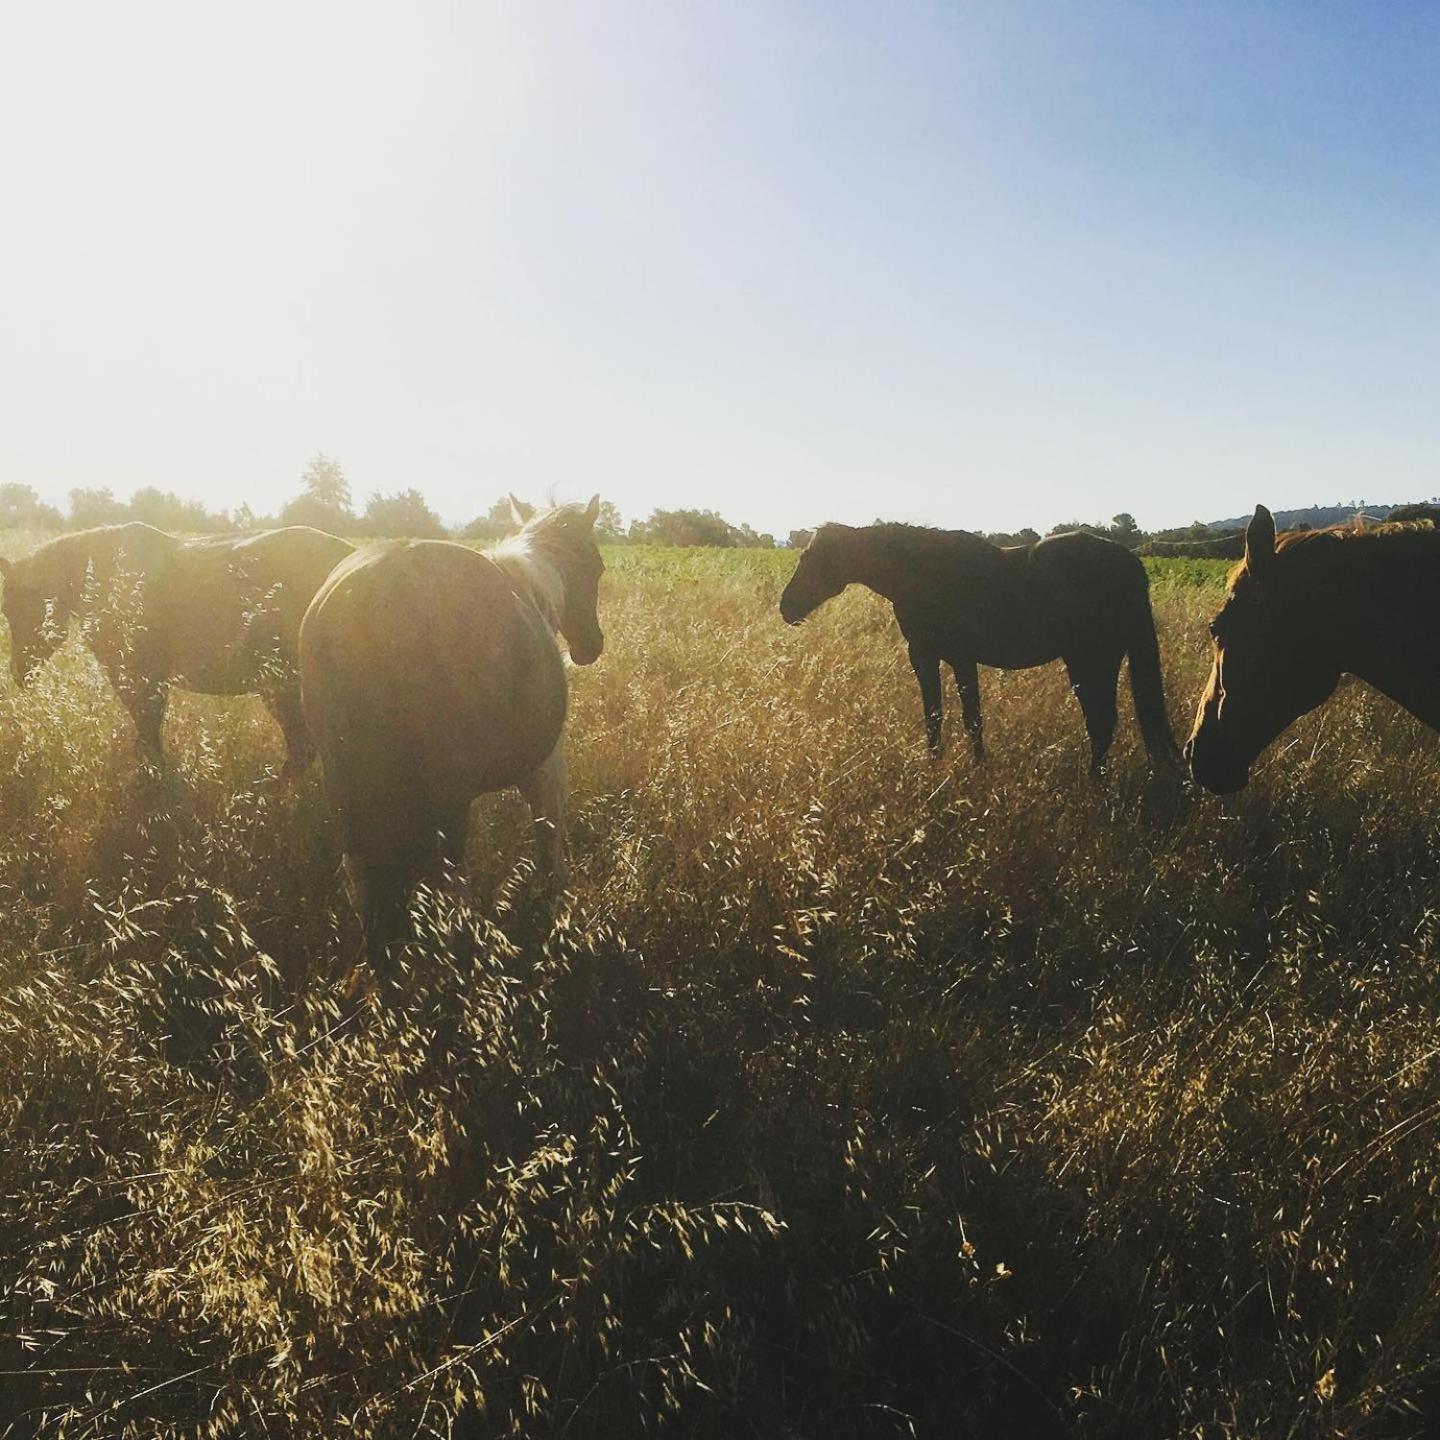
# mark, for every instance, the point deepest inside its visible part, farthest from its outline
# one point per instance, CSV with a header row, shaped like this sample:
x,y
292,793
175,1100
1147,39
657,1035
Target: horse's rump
x,y
230,610
427,680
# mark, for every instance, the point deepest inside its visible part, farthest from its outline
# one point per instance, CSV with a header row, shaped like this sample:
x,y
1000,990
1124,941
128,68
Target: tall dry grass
x,y
851,1094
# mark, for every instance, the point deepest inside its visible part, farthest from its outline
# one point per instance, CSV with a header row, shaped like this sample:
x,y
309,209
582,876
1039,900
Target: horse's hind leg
x,y
380,893
544,791
1093,679
967,682
284,705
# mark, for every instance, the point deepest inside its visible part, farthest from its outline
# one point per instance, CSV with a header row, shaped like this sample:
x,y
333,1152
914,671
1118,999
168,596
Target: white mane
x,y
527,564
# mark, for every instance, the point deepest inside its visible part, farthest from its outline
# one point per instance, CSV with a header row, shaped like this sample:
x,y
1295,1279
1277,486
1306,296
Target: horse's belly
x,y
1014,657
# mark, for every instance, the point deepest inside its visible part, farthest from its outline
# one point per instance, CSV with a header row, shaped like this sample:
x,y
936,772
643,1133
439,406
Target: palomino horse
x,y
431,674
966,602
1302,611
221,617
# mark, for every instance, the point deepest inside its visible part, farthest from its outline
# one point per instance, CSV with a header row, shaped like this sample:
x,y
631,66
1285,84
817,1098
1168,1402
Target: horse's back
x,y
1088,565
132,550
1085,590
289,565
426,681
230,608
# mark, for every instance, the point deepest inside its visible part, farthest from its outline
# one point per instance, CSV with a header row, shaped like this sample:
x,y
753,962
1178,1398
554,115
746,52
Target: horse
x,y
1300,611
216,616
430,674
962,601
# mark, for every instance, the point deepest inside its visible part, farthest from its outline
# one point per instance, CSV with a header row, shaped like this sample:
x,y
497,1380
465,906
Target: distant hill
x,y
1315,516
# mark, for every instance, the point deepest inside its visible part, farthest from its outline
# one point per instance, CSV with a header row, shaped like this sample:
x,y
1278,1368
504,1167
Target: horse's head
x,y
36,625
566,535
823,572
1267,670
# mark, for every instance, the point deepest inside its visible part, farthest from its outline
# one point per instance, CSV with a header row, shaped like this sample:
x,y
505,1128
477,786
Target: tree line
x,y
324,500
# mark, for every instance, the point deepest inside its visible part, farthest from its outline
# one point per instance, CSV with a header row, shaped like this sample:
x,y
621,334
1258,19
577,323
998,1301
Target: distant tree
x,y
403,514
95,507
1124,529
609,525
324,499
168,511
1027,536
1195,530
325,481
686,528
22,509
244,517
307,510
799,539
753,539
152,507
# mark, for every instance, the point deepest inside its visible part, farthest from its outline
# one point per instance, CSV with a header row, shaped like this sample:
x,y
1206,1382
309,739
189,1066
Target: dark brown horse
x,y
431,674
221,617
1302,611
965,602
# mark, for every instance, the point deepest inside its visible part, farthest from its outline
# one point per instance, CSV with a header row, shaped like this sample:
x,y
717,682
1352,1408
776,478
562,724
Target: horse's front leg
x,y
926,665
967,682
146,701
544,791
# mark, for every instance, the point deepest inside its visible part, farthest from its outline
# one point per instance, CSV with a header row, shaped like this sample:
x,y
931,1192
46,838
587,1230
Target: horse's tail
x,y
1147,686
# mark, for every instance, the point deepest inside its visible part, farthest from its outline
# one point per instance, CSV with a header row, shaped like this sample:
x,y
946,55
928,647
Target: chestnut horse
x,y
221,617
431,674
962,601
1299,613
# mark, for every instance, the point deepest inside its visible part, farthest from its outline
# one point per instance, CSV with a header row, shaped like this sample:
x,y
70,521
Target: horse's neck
x,y
906,569
1383,631
534,575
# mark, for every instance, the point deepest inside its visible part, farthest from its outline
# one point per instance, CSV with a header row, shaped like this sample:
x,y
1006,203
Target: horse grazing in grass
x,y
1303,610
221,617
965,602
431,673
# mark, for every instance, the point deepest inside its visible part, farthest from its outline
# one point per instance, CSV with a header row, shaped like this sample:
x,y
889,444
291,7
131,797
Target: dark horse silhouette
x,y
1302,611
966,602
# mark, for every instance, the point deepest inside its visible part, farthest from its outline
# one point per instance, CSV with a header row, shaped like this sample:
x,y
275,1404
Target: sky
x,y
980,265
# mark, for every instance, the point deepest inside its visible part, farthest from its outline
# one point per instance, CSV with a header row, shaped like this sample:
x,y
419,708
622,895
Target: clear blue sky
x,y
975,264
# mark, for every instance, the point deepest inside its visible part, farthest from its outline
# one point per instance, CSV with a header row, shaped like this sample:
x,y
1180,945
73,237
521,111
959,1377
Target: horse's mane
x,y
908,536
1386,543
531,558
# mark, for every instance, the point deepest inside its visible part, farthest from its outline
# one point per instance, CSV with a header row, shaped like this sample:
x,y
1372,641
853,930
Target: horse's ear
x,y
1260,542
592,510
520,512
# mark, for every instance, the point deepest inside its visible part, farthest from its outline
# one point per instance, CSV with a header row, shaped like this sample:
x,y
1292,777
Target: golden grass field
x,y
851,1093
